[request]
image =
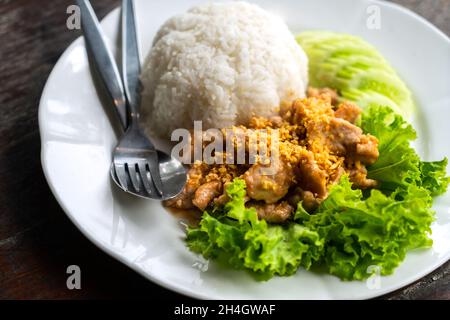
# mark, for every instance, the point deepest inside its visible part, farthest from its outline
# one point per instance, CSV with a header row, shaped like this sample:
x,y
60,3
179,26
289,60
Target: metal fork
x,y
135,155
137,166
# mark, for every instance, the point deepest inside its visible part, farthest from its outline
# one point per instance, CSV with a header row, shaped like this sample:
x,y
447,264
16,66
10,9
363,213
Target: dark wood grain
x,y
37,241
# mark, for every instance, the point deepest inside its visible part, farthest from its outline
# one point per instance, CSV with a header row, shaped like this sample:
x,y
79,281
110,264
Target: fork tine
x,y
134,176
146,178
153,167
121,175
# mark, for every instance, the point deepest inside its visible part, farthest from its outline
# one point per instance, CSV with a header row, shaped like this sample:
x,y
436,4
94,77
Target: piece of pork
x,y
367,149
334,130
344,139
206,193
309,200
358,176
310,177
274,213
269,183
348,111
321,92
342,136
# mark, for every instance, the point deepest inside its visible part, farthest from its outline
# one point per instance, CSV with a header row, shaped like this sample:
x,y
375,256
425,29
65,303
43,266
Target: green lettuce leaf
x,y
237,236
376,231
434,176
398,165
347,234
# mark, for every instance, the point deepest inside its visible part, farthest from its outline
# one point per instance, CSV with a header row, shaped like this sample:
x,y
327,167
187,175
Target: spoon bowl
x,y
173,177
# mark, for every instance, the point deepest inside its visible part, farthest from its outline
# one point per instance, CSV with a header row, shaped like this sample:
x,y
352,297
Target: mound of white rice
x,y
220,63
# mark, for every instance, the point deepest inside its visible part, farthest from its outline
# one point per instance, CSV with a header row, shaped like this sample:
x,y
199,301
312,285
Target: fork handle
x,y
103,59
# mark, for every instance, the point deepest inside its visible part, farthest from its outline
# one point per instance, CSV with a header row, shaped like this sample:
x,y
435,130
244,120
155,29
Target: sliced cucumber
x,y
356,70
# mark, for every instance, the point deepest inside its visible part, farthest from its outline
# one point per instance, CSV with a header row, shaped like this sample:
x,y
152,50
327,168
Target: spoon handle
x,y
103,59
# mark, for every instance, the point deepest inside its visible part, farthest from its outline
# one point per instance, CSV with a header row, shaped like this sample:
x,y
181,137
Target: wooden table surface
x,y
37,240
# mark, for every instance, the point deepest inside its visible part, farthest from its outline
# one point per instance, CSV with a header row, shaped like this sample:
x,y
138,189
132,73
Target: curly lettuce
x,y
374,231
350,231
398,165
236,235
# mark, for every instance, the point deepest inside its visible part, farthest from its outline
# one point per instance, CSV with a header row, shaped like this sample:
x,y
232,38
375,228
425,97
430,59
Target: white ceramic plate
x,y
77,140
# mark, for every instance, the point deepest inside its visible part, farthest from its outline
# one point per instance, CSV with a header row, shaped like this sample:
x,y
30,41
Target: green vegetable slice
x,y
356,70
